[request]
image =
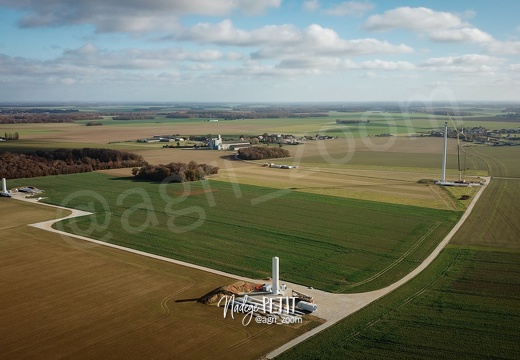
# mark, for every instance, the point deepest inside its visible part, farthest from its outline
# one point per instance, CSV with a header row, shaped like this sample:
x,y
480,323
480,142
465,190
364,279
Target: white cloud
x,y
312,66
17,65
328,64
251,6
90,56
224,33
254,69
503,47
345,8
68,81
467,34
128,23
374,46
311,5
89,63
19,69
412,19
470,63
386,65
128,16
282,41
352,8
438,26
369,75
324,63
219,50
308,52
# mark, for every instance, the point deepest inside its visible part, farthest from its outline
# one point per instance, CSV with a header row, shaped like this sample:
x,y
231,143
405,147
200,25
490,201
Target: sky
x,y
237,51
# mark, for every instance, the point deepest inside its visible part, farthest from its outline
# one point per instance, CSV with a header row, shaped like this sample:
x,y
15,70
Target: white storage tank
x,y
307,306
275,290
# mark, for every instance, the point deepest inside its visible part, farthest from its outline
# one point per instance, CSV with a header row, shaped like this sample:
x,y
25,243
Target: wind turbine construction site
x,y
461,169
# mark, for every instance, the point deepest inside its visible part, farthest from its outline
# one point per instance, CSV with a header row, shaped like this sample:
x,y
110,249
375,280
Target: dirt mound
x,y
241,287
236,288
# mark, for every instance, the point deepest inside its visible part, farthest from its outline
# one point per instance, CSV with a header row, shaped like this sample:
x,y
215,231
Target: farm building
x,y
161,138
219,144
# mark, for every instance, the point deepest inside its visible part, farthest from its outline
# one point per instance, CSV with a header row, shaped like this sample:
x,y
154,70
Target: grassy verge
x,y
457,195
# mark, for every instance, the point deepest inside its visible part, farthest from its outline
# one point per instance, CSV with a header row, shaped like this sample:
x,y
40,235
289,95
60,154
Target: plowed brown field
x,y
59,300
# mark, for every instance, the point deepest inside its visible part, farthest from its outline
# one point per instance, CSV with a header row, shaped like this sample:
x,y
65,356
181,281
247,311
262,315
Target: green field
x,y
504,229
327,242
465,305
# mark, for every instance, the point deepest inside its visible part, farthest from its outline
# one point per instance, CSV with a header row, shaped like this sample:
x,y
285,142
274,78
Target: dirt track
x,y
331,307
345,305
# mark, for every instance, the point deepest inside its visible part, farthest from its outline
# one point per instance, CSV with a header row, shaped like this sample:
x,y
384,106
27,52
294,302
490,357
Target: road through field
x,y
345,305
331,307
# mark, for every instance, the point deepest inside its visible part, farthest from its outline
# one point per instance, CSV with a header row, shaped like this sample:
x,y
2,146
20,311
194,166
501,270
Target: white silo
x,y
275,286
4,186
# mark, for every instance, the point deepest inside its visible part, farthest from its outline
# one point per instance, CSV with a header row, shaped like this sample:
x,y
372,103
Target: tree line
x,y
244,114
46,118
11,136
44,110
175,171
262,152
64,161
134,117
339,121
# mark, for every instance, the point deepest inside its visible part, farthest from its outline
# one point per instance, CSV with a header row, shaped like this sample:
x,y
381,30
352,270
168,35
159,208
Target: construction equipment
x,y
302,297
462,170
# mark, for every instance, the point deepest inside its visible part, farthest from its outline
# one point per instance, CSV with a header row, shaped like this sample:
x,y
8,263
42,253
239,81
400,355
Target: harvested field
x,y
385,186
325,167
388,176
64,301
